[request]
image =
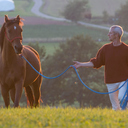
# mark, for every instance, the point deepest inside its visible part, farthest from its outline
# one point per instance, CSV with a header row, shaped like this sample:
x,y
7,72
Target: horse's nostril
x,y
18,48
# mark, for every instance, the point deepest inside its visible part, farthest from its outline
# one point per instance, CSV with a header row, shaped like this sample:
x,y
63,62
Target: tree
x,y
73,11
121,16
68,88
105,17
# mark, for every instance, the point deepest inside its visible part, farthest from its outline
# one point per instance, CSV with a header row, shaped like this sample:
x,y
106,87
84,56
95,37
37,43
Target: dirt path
x,y
35,10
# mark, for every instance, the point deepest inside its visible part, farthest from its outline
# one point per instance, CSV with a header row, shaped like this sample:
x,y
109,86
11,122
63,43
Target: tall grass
x,y
62,118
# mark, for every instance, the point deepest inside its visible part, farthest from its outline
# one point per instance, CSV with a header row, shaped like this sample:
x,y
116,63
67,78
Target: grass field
x,y
48,117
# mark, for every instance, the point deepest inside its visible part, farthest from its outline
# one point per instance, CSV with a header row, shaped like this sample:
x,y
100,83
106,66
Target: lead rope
x,y
123,102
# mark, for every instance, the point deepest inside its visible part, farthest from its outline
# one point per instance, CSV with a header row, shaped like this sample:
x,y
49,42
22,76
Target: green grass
x,y
50,47
62,118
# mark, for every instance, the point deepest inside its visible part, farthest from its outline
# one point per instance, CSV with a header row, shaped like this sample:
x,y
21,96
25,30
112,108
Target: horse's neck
x,y
8,54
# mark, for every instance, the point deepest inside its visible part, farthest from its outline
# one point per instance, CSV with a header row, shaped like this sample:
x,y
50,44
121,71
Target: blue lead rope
x,y
42,74
123,101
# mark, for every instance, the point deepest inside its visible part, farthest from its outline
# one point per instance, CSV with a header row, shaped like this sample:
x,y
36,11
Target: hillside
x,y
55,7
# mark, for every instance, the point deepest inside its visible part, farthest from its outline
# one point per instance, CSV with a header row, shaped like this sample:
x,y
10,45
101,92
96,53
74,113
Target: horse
x,y
15,72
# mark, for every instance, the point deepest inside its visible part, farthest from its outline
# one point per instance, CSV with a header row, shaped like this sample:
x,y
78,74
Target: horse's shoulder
x,y
27,47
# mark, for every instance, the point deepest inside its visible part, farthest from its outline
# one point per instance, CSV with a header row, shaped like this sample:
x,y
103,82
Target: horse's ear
x,y
6,18
18,17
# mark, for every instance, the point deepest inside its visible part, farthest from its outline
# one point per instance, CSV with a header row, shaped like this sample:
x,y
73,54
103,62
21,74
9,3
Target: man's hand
x,y
77,64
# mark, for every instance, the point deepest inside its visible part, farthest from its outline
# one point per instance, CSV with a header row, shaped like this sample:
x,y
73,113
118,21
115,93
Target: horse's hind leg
x,y
37,90
29,95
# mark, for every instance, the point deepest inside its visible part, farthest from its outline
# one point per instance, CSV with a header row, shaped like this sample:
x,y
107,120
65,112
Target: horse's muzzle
x,y
18,49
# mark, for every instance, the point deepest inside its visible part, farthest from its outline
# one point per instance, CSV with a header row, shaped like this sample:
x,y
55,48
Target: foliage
x,y
74,9
105,17
122,17
68,88
62,118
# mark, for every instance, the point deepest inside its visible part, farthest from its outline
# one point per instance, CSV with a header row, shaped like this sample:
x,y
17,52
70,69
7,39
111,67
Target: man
x,y
114,57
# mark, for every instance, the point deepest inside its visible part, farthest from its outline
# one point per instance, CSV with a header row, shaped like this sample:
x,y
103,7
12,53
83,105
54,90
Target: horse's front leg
x,y
12,94
5,94
18,92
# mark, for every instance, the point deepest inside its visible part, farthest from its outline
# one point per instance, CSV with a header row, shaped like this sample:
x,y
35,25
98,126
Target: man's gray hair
x,y
118,29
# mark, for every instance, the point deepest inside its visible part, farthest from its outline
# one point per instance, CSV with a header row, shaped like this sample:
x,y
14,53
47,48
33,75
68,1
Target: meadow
x,y
51,117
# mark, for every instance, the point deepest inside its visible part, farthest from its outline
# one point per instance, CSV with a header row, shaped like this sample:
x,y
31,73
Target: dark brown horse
x,y
15,73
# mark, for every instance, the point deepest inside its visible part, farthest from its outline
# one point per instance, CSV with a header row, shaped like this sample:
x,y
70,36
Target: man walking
x,y
114,57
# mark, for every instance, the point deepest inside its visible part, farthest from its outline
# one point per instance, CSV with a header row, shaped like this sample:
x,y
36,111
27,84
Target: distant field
x,y
62,31
55,7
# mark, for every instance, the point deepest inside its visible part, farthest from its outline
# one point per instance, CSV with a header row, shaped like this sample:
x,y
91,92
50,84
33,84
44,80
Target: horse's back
x,y
33,57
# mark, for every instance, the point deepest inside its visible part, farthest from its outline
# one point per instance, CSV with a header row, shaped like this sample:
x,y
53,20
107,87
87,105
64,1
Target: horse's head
x,y
13,33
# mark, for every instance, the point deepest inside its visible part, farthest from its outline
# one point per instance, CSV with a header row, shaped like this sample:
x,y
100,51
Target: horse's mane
x,y
8,23
2,33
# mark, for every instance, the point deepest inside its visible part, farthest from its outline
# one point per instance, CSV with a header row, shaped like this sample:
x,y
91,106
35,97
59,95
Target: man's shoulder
x,y
107,45
124,44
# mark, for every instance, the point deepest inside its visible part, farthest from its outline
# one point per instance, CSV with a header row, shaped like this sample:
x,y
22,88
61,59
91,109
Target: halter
x,y
11,40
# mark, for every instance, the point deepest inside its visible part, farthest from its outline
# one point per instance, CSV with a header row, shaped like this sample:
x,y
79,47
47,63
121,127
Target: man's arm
x,y
83,64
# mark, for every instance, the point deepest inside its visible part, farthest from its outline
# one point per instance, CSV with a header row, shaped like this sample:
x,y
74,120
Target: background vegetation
x,y
80,43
